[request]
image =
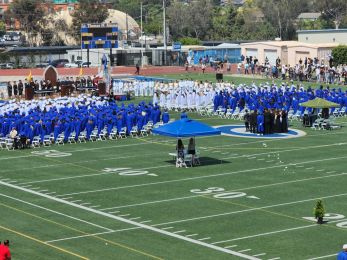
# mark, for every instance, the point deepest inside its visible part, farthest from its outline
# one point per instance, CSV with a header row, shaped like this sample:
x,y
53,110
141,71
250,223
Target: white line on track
x,y
275,258
320,170
309,168
321,257
330,172
192,235
95,206
204,177
114,212
242,189
55,212
141,225
260,254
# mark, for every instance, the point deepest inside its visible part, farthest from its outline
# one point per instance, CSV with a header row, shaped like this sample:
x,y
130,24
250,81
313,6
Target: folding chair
x,y
47,140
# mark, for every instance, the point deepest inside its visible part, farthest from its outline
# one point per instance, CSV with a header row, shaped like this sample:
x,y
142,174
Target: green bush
x,y
340,54
319,209
189,41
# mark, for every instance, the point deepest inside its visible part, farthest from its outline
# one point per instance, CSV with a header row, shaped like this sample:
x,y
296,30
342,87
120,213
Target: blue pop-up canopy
x,y
186,128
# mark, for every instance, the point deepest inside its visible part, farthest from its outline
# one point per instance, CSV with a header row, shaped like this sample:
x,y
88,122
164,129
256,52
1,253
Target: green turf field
x,y
124,199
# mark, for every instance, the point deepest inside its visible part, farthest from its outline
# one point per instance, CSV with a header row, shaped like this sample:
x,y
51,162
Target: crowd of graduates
x,y
272,97
75,114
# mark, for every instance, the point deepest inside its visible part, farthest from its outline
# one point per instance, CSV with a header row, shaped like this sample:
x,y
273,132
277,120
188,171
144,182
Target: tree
x,y
339,54
200,22
2,28
31,16
88,11
319,212
178,19
189,41
282,15
333,9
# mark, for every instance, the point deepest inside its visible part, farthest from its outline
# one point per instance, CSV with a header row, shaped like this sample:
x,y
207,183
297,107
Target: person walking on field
x,y
5,253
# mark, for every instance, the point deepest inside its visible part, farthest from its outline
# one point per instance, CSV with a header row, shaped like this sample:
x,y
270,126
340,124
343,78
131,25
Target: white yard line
x,y
100,173
260,254
180,231
230,246
151,228
242,189
322,257
248,210
245,250
165,166
192,235
204,177
56,212
205,238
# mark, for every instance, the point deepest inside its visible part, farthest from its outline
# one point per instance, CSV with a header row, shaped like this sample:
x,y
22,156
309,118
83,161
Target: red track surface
x,y
150,70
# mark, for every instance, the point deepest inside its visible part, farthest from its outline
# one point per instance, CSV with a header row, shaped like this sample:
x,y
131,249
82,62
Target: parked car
x,y
70,65
86,64
59,63
42,65
7,66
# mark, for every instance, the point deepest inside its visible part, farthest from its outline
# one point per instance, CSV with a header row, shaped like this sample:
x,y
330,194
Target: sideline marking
x,y
56,212
202,177
151,228
44,243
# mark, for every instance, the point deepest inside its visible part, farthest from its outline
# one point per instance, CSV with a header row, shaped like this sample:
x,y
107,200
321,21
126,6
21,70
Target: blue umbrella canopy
x,y
186,128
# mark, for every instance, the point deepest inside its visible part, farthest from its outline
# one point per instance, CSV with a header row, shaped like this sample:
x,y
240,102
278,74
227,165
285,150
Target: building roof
x,y
226,46
291,44
308,16
323,31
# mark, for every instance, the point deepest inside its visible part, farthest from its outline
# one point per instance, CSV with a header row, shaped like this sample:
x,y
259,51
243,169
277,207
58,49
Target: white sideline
x,y
202,177
151,228
56,212
241,189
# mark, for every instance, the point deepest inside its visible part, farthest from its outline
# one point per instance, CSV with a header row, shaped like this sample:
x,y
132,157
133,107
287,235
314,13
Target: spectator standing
x,y
343,254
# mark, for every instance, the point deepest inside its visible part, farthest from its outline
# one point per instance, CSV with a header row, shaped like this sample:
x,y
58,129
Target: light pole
x,y
164,30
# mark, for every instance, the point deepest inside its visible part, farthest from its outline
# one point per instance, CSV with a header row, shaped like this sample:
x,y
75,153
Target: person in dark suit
x,y
272,121
284,122
9,89
253,122
267,120
20,88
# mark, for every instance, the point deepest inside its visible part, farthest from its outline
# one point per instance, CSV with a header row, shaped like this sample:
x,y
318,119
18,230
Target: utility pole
x,y
164,30
141,36
127,26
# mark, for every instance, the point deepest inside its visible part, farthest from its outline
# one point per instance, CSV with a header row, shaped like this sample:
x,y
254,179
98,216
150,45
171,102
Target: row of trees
x,y
255,20
201,20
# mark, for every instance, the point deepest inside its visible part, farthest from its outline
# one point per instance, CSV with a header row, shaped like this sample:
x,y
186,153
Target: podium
x,y
29,93
219,76
66,90
102,89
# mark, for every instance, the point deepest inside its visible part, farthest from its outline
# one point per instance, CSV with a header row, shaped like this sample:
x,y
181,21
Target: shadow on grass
x,y
204,161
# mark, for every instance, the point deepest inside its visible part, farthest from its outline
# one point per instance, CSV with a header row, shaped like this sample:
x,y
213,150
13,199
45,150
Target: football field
x,y
250,198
